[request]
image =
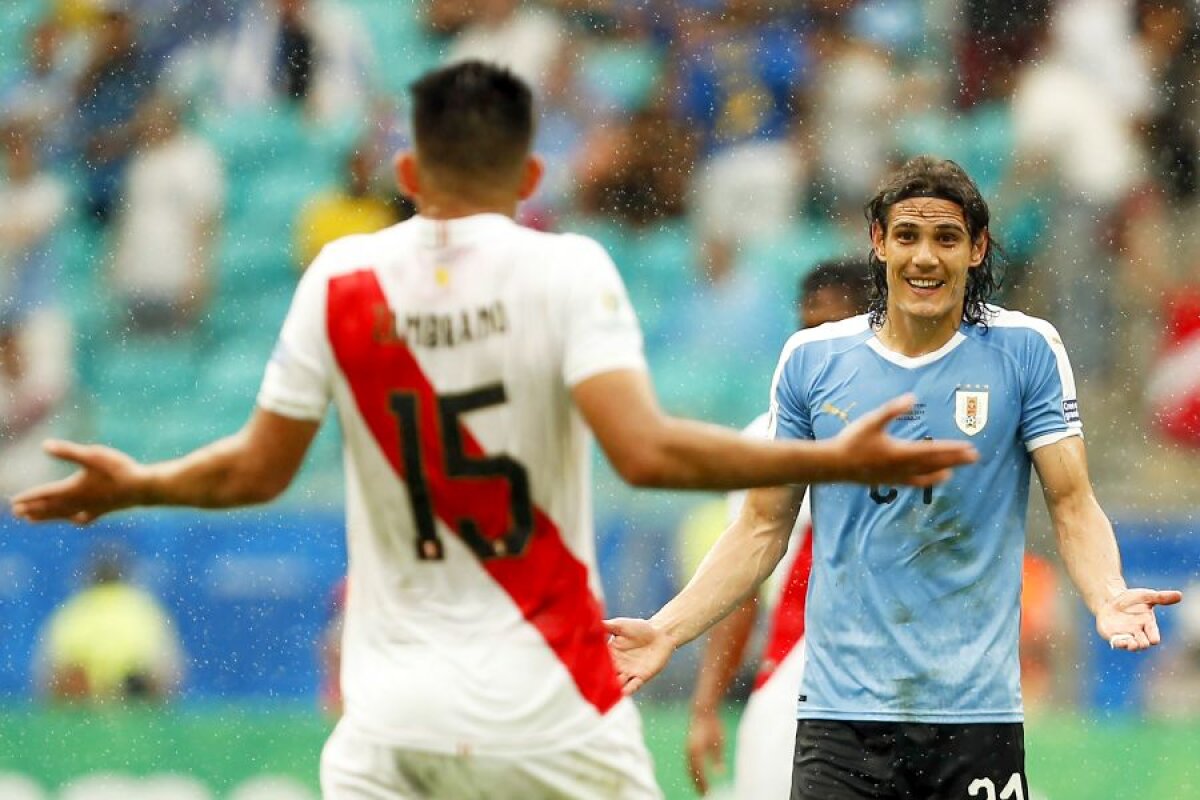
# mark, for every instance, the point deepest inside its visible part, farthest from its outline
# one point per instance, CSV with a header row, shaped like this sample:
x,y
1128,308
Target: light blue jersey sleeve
x,y
1050,409
788,415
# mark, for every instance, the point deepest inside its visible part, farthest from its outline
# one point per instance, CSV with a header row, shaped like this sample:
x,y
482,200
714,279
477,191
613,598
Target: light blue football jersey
x,y
914,601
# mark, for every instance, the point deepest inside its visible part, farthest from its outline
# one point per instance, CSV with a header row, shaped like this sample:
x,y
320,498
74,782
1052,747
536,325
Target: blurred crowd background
x,y
168,168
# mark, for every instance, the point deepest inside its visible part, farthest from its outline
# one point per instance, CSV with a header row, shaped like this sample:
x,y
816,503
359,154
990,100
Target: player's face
x,y
827,304
928,253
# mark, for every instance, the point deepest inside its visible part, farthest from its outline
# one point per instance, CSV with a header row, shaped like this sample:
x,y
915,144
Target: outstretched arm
x,y
649,448
252,466
741,559
1124,616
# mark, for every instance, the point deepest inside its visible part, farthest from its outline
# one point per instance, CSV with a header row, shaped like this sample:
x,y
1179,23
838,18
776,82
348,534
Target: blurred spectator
x,y
110,641
35,378
512,33
1173,684
42,89
35,340
443,18
107,96
1173,391
1077,146
747,192
315,53
996,36
852,107
740,66
349,208
1169,46
167,231
637,172
34,203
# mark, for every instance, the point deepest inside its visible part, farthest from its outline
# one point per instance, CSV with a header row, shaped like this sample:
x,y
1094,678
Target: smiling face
x,y
929,253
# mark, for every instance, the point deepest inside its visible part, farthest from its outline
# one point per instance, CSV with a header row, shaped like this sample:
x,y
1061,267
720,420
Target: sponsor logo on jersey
x,y
971,409
842,414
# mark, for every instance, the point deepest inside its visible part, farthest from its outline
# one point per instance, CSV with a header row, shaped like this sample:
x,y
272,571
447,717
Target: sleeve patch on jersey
x,y
1071,410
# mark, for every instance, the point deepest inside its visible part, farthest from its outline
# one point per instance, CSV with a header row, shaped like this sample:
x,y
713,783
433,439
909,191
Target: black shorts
x,y
839,760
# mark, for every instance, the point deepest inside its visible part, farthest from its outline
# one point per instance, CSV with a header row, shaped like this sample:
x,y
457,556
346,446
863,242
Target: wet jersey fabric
x,y
914,599
449,348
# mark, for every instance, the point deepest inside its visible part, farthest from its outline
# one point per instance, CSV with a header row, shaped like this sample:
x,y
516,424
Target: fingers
x,y
880,417
1168,597
632,686
68,451
1152,634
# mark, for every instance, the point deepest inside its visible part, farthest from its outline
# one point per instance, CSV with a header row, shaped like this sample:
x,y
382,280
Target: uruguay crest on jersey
x,y
971,409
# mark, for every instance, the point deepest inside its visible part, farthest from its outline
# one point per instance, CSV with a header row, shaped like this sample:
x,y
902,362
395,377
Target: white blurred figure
x,y
1077,142
171,786
100,786
515,35
271,787
35,379
15,786
167,228
315,51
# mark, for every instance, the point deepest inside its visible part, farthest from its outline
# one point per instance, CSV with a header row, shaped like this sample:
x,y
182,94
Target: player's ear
x,y
531,177
877,239
979,248
407,176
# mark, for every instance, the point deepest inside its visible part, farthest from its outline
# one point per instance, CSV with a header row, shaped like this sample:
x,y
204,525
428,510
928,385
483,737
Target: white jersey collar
x,y
912,362
439,233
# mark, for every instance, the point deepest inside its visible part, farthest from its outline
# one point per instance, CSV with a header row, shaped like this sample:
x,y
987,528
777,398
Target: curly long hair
x,y
926,176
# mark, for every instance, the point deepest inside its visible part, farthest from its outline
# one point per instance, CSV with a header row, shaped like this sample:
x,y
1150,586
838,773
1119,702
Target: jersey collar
x,y
439,233
912,362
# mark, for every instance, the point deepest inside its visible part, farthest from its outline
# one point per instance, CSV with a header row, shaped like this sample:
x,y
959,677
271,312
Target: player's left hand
x,y
106,480
1126,620
639,650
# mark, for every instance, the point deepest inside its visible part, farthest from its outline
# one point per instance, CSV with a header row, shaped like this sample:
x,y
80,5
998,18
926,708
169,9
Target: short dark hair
x,y
926,176
472,121
847,274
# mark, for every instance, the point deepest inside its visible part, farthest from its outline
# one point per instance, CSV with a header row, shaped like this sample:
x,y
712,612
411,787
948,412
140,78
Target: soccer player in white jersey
x,y
911,686
832,291
467,357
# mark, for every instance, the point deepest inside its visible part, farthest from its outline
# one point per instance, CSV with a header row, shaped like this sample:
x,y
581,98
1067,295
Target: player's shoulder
x,y
358,251
830,337
1009,326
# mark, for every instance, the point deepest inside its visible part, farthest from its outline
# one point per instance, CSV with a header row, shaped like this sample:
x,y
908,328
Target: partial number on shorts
x,y
986,788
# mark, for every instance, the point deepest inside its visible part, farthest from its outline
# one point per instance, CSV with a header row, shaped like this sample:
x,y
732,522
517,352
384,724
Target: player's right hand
x,y
705,748
107,480
870,455
639,651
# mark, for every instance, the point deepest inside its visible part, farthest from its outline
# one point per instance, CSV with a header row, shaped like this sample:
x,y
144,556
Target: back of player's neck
x,y
447,208
916,337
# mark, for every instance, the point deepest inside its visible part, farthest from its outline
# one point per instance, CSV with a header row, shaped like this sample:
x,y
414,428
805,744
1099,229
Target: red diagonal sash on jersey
x,y
547,582
787,623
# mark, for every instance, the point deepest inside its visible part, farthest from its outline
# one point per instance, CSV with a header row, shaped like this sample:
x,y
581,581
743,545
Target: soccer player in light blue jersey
x,y
911,687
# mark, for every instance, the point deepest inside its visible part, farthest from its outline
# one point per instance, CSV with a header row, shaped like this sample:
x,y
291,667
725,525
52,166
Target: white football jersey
x,y
473,619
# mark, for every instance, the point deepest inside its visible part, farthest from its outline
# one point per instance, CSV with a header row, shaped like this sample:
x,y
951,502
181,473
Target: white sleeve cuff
x,y
1051,438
